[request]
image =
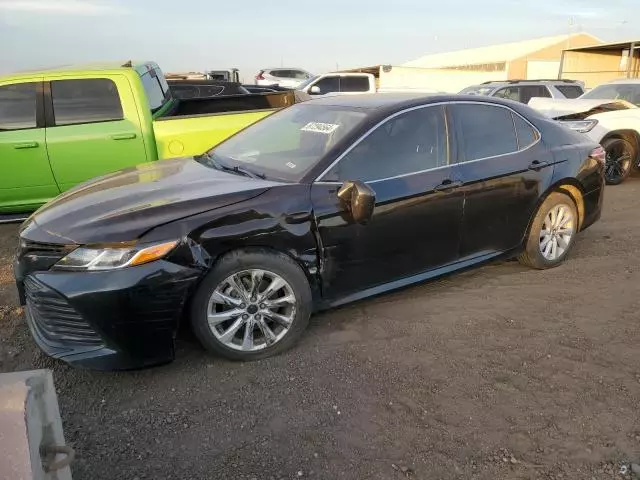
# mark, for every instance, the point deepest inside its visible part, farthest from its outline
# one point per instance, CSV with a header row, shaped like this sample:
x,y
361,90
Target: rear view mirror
x,y
315,90
359,199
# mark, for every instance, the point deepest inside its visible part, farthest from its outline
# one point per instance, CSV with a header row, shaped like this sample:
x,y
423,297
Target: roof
x,y
390,102
606,46
77,68
491,54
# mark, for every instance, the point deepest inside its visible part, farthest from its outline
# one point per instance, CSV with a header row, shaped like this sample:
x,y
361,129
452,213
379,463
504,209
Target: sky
x,y
318,35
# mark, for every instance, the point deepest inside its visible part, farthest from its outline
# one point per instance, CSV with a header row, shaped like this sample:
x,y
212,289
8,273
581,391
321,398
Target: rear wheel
x,y
552,233
253,305
621,155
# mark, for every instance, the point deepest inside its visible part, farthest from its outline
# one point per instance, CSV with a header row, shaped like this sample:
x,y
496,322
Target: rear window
x,y
156,88
18,106
85,101
354,84
570,91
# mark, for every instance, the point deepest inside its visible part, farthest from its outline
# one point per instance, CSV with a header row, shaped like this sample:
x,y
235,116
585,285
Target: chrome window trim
x,y
454,102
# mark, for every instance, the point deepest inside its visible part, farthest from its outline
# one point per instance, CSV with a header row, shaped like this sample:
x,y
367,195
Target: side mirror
x,y
315,90
359,199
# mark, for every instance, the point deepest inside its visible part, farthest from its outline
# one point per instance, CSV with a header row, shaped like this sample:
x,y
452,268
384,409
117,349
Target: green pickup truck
x,y
64,126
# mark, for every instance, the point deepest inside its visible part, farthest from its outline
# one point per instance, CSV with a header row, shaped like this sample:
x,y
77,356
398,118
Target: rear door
x,y
505,168
355,84
92,128
26,180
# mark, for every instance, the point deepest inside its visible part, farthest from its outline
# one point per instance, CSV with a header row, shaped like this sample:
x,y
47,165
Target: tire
x,y
621,157
230,302
533,255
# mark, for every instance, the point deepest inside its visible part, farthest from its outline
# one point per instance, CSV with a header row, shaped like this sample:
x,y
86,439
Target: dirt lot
x,y
502,372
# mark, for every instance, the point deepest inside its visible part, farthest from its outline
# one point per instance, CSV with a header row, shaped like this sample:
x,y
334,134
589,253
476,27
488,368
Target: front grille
x,y
57,322
35,257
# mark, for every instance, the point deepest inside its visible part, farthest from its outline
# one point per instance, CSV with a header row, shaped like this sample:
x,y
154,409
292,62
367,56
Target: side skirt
x,y
421,277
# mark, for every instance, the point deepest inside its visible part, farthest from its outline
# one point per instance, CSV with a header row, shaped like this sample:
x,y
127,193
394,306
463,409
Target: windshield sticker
x,y
318,127
291,165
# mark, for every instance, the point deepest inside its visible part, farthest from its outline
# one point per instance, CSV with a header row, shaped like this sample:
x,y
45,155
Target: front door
x,y
416,222
26,180
505,168
92,128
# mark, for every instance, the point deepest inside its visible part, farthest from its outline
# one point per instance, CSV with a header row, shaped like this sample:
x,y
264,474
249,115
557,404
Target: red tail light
x,y
259,76
599,154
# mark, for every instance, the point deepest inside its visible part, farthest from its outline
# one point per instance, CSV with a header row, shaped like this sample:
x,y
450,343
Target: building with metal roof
x,y
530,59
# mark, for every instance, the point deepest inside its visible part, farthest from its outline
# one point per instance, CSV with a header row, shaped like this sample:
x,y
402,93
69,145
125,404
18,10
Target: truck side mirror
x,y
359,199
315,90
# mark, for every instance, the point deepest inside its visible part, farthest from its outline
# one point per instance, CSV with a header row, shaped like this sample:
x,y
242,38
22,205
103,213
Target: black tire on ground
x,y
238,261
532,255
617,171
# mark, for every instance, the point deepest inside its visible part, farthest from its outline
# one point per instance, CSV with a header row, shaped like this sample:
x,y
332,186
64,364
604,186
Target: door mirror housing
x,y
315,90
359,199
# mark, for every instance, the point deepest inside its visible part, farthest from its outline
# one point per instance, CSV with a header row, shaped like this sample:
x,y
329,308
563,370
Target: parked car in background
x,y
609,115
317,205
283,77
358,83
339,84
523,90
117,115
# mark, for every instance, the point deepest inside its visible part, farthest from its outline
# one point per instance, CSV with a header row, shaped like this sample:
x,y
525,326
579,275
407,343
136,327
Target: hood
x,y
124,205
577,108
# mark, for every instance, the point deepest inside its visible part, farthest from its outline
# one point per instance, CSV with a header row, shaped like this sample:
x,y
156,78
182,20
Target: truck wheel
x,y
621,155
552,233
252,305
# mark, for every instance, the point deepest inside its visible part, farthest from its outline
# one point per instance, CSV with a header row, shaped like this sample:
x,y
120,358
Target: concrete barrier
x,y
32,443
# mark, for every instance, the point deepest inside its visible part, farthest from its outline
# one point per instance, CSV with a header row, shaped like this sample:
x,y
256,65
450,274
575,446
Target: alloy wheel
x,y
557,231
618,162
251,310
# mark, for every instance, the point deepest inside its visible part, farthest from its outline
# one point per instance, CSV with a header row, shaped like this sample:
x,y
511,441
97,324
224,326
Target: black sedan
x,y
323,203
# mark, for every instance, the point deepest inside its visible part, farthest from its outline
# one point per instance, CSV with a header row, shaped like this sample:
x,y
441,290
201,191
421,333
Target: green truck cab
x,y
61,127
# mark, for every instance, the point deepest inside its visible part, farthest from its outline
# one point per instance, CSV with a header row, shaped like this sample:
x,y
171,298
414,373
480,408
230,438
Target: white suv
x,y
524,90
283,77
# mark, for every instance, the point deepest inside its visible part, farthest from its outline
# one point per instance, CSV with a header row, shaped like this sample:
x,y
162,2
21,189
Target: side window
x,y
570,91
510,93
85,101
281,73
328,84
412,142
299,75
18,106
354,84
530,91
484,131
526,134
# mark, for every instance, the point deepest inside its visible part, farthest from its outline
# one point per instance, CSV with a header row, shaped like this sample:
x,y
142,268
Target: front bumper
x,y
107,320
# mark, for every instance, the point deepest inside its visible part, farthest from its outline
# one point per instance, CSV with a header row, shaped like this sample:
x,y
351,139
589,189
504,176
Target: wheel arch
x,y
630,135
311,273
570,187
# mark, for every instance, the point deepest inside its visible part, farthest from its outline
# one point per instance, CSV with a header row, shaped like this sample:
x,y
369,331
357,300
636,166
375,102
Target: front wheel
x,y
552,233
252,305
619,160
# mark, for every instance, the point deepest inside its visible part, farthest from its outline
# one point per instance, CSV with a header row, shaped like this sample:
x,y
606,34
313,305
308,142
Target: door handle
x,y
537,165
19,146
123,136
448,185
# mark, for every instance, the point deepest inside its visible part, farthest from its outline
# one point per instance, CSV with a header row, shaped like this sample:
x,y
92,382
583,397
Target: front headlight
x,y
114,257
581,126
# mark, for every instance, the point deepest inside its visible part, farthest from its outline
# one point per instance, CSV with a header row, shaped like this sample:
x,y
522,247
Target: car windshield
x,y
477,90
288,143
307,82
615,91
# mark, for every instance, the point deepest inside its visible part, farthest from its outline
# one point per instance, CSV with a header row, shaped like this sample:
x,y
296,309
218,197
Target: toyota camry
x,y
320,204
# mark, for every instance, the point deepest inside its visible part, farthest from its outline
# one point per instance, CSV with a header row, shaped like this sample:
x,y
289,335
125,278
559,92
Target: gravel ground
x,y
498,373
